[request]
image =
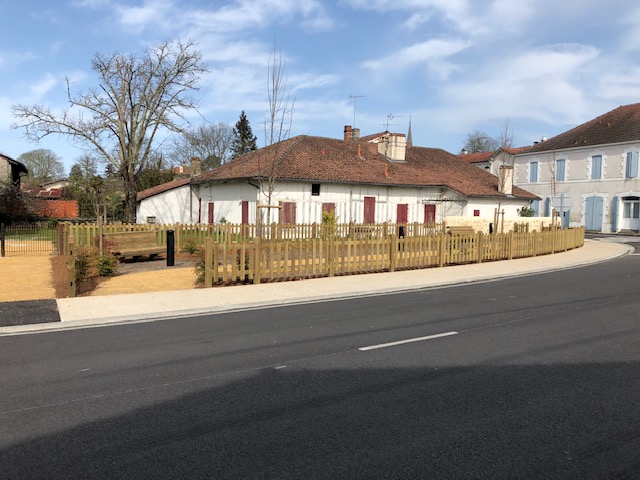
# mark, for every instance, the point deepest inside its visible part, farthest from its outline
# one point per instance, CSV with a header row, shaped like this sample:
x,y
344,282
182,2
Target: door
x,y
369,210
429,213
630,213
593,207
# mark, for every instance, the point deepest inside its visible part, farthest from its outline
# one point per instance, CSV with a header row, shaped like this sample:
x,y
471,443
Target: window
x,y
596,167
560,170
476,213
315,189
533,172
631,170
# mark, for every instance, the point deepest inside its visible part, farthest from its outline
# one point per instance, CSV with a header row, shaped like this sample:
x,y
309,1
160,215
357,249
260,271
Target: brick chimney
x,y
348,133
196,166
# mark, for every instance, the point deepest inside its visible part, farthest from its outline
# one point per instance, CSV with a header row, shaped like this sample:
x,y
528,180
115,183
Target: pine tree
x,y
244,140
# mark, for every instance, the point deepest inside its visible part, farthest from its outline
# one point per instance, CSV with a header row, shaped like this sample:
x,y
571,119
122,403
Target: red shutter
x,y
329,207
210,213
402,213
245,212
429,213
369,209
288,213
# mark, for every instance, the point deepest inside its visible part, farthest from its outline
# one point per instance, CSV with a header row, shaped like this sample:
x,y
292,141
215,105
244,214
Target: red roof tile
x,y
320,159
165,187
617,126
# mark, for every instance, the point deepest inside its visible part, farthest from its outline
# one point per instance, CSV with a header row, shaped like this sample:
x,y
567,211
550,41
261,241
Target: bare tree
x,y
210,142
277,126
478,141
137,101
43,165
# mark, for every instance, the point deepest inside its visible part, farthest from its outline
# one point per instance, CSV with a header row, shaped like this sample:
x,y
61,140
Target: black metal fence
x,y
29,239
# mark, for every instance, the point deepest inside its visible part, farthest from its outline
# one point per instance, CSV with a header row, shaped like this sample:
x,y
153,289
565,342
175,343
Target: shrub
x,y
199,268
189,246
329,218
526,211
107,266
83,262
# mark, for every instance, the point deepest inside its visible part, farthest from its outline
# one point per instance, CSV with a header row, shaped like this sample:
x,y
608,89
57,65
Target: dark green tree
x,y
244,140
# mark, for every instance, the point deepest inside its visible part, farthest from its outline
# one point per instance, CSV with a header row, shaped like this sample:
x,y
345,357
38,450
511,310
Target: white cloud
x,y
431,53
152,13
42,87
545,84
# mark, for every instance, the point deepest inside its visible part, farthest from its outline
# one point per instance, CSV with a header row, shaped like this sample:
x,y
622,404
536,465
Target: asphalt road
x,y
530,378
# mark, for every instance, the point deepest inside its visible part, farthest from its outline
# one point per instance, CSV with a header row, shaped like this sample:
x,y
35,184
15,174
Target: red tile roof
x,y
319,159
486,156
165,187
476,157
617,126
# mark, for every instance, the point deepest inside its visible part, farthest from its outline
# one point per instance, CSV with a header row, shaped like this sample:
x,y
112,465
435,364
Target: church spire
x,y
409,136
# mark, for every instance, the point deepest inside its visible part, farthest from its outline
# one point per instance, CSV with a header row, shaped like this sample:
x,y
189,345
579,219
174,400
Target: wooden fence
x,y
258,260
88,234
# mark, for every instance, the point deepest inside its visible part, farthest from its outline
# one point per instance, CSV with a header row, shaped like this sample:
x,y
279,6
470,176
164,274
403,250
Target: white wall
x,y
178,205
168,207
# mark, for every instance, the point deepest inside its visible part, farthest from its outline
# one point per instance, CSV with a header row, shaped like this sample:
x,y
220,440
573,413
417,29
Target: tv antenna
x,y
355,100
390,117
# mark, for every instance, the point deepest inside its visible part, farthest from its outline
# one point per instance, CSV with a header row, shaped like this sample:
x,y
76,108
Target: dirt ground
x,y
41,277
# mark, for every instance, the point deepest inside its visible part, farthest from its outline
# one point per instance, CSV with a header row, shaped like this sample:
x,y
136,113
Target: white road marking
x,y
410,340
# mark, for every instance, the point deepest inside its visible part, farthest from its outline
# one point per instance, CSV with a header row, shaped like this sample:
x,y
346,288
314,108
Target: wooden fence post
x,y
511,245
393,251
331,255
441,248
257,255
208,262
480,247
71,268
2,230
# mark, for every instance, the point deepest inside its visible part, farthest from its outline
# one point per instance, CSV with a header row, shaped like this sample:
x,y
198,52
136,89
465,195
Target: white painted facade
x,y
193,203
595,179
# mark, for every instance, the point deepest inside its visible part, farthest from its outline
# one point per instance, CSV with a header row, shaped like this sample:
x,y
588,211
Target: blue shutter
x,y
547,207
596,167
560,168
533,172
614,214
632,165
535,205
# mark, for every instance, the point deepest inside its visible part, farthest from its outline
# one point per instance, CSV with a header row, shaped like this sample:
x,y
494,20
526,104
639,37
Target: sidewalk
x,y
90,311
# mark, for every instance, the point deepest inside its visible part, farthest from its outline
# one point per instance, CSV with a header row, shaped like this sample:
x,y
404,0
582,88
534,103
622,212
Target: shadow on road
x,y
558,421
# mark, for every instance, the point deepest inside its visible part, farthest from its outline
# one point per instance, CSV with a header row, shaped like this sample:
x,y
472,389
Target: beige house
x,y
589,174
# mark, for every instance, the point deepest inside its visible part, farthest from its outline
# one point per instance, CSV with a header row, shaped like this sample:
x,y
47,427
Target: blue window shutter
x,y
547,207
535,205
632,165
614,214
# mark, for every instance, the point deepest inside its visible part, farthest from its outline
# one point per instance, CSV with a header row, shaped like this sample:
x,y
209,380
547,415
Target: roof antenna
x,y
390,117
355,100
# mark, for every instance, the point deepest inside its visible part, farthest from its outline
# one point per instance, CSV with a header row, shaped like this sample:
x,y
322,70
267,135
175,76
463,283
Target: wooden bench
x,y
461,230
133,244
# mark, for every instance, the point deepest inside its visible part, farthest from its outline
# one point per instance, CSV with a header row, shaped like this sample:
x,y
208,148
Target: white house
x,y
589,173
379,178
492,161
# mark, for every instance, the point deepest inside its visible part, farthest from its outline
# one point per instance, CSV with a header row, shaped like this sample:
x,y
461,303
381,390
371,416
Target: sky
x,y
450,67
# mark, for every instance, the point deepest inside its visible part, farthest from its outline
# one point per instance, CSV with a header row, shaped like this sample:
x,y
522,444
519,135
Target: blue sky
x,y
452,66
